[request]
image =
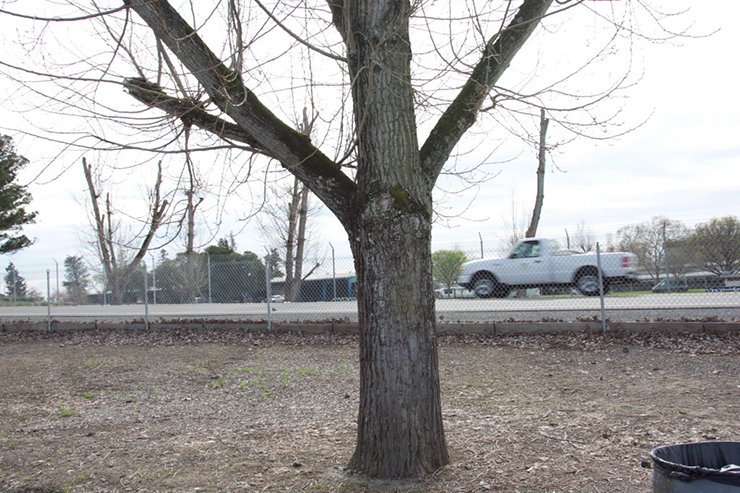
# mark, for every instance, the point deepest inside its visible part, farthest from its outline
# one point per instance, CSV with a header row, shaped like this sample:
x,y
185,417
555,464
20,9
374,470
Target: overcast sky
x,y
683,163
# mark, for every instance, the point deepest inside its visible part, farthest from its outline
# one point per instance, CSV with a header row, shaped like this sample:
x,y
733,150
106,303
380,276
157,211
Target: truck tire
x,y
587,282
486,286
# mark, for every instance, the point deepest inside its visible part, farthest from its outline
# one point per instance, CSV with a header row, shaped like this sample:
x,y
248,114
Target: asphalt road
x,y
624,308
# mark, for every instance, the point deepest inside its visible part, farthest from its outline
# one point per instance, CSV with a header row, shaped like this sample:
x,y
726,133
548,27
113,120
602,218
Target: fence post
x,y
601,288
48,300
15,284
208,262
268,290
56,298
333,272
665,253
154,281
146,297
105,287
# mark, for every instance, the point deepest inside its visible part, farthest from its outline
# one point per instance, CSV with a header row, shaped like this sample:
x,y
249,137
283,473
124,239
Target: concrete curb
x,y
443,329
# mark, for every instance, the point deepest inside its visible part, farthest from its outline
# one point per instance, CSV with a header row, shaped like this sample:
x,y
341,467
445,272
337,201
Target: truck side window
x,y
527,249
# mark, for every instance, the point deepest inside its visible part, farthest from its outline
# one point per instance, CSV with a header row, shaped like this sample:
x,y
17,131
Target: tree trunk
x,y
540,198
300,248
400,432
291,293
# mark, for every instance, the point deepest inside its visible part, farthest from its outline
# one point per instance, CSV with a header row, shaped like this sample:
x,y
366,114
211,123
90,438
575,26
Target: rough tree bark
x,y
386,209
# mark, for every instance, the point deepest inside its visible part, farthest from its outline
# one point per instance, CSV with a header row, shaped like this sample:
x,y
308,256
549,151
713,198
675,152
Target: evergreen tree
x,y
13,198
75,278
15,284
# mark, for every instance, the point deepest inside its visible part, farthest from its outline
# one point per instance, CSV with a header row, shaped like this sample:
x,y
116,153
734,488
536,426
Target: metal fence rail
x,y
682,281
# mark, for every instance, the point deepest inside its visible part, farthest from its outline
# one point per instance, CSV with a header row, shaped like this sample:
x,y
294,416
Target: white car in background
x,y
540,262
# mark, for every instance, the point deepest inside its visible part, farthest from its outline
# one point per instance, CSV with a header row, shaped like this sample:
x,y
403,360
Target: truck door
x,y
527,264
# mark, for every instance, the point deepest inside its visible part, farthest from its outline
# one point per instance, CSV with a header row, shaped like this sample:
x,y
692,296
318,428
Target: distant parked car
x,y
277,298
675,285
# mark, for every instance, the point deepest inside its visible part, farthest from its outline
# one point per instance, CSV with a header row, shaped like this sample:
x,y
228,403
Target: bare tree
x,y
584,239
376,176
116,252
515,224
649,240
287,224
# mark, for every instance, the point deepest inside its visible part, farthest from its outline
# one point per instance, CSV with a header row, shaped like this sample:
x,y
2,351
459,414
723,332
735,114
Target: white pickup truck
x,y
540,262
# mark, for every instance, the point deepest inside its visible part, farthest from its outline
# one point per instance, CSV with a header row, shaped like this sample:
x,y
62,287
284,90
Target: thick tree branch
x,y
190,112
225,87
462,112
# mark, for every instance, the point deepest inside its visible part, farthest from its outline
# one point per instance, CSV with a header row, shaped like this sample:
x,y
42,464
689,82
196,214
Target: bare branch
x,y
225,87
298,38
63,19
461,114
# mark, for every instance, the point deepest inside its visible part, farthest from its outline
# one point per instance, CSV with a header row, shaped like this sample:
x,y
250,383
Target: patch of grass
x,y
8,442
284,377
218,383
95,362
66,412
312,370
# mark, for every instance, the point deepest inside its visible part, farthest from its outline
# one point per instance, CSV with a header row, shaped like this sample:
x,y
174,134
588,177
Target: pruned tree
x,y
118,257
370,169
13,199
541,161
285,221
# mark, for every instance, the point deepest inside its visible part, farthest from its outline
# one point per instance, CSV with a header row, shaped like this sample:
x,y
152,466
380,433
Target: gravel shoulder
x,y
195,410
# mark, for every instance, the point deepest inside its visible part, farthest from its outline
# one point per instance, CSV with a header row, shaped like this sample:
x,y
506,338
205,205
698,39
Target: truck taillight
x,y
625,261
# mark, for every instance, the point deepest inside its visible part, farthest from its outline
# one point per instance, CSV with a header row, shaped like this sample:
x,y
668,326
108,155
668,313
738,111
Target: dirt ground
x,y
184,410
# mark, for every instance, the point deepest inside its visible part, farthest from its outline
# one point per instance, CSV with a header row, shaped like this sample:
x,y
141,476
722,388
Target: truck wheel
x,y
588,283
487,287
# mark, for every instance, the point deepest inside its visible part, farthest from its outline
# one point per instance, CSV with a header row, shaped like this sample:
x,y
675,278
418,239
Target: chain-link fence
x,y
536,280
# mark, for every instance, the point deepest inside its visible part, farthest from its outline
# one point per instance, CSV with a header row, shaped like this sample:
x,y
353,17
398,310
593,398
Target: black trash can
x,y
703,467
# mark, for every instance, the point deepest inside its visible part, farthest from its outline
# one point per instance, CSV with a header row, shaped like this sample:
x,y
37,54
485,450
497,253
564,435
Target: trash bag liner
x,y
714,461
